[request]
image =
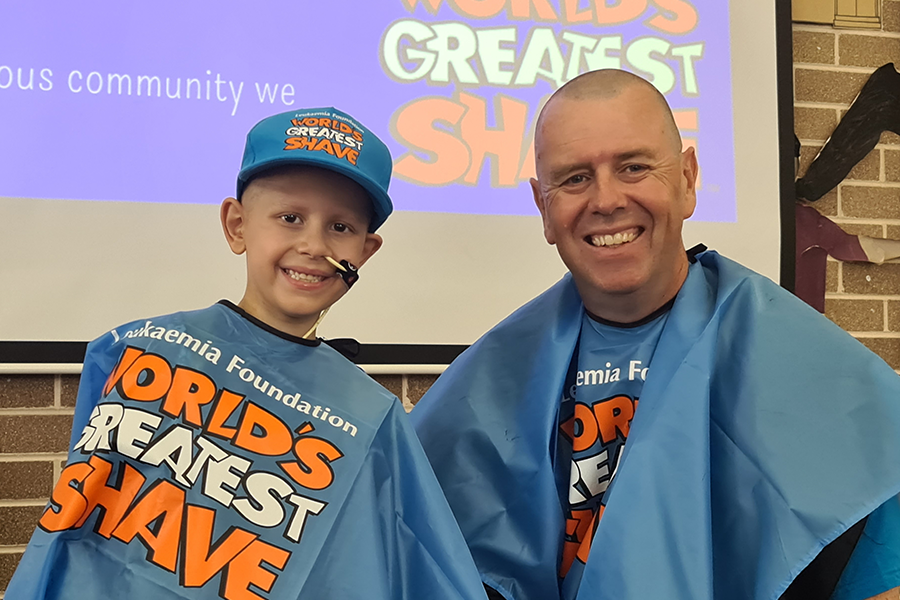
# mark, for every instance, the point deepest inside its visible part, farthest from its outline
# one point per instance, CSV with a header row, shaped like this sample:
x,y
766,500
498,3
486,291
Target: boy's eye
x,y
341,227
290,219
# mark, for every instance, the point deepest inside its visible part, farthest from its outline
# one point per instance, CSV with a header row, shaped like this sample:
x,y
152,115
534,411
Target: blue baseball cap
x,y
321,137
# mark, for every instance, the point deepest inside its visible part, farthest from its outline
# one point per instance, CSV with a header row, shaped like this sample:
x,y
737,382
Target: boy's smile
x,y
287,222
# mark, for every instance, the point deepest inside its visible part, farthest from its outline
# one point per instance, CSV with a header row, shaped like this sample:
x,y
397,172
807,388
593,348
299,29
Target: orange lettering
x,y
190,389
342,152
157,379
504,142
325,144
588,537
201,565
325,122
224,407
612,415
344,127
312,469
300,143
623,12
576,529
247,569
162,506
415,128
128,357
478,9
114,502
274,438
70,502
683,17
521,9
588,434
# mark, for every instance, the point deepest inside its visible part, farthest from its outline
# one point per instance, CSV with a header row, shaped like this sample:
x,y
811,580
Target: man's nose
x,y
606,194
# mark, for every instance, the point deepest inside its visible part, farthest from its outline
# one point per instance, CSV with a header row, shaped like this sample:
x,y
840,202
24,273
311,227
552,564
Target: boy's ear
x,y
233,218
372,244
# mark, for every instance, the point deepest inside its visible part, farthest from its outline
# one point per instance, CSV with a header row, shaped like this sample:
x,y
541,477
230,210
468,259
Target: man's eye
x,y
291,219
635,168
576,180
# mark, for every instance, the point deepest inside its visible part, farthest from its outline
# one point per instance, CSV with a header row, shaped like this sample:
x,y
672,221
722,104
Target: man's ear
x,y
370,246
539,202
689,170
232,215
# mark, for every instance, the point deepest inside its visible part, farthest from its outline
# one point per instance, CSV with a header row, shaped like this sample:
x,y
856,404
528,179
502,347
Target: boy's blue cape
x,y
385,530
763,433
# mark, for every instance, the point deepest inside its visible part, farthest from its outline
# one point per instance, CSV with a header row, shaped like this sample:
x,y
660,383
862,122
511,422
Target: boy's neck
x,y
295,328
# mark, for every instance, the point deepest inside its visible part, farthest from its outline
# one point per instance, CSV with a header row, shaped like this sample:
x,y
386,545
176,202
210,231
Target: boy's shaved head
x,y
609,83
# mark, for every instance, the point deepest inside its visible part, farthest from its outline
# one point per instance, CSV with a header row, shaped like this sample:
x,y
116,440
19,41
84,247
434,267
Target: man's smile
x,y
615,239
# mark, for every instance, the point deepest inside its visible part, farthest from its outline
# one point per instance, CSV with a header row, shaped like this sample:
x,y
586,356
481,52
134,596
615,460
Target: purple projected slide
x,y
150,101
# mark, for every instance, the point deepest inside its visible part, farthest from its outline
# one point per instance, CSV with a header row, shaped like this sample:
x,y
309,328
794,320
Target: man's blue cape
x,y
379,527
764,432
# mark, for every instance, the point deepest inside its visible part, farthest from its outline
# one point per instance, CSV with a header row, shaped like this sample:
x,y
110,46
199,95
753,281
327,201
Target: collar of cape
x,y
764,432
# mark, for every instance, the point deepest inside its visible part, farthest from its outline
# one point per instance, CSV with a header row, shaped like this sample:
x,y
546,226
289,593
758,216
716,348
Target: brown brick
x,y
886,348
890,138
867,51
814,123
867,229
827,86
890,16
26,480
831,276
26,391
808,154
891,165
68,389
870,202
869,168
827,204
417,385
813,47
8,564
17,523
35,433
393,383
856,315
893,232
865,278
893,315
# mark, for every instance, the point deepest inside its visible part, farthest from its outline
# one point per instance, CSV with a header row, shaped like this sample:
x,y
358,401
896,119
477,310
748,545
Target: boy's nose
x,y
313,243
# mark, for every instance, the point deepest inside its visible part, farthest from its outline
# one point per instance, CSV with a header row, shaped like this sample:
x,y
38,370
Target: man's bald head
x,y
609,83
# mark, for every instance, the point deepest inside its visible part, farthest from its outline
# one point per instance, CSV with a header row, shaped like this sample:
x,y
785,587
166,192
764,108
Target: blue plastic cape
x,y
212,458
764,432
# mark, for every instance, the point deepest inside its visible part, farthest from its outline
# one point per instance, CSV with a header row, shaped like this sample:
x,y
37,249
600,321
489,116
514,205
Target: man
x,y
660,424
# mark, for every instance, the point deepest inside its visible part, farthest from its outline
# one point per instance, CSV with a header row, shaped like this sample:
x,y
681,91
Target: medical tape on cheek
x,y
348,272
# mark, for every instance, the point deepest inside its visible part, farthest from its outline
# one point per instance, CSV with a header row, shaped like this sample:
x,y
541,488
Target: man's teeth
x,y
303,276
613,240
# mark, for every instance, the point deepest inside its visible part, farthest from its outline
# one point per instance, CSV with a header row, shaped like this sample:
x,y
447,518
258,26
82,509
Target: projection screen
x,y
123,126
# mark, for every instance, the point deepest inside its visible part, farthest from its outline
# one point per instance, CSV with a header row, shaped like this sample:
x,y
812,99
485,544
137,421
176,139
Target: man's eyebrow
x,y
636,153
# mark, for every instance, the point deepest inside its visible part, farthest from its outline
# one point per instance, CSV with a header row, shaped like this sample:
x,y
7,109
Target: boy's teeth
x,y
303,276
612,240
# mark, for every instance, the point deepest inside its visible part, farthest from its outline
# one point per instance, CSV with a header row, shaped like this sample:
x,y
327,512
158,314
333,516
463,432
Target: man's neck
x,y
636,306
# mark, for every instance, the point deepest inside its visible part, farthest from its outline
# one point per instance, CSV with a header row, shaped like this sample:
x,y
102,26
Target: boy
x,y
222,453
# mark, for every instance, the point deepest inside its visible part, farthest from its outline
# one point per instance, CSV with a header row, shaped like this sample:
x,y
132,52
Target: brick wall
x,y
830,67
35,423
